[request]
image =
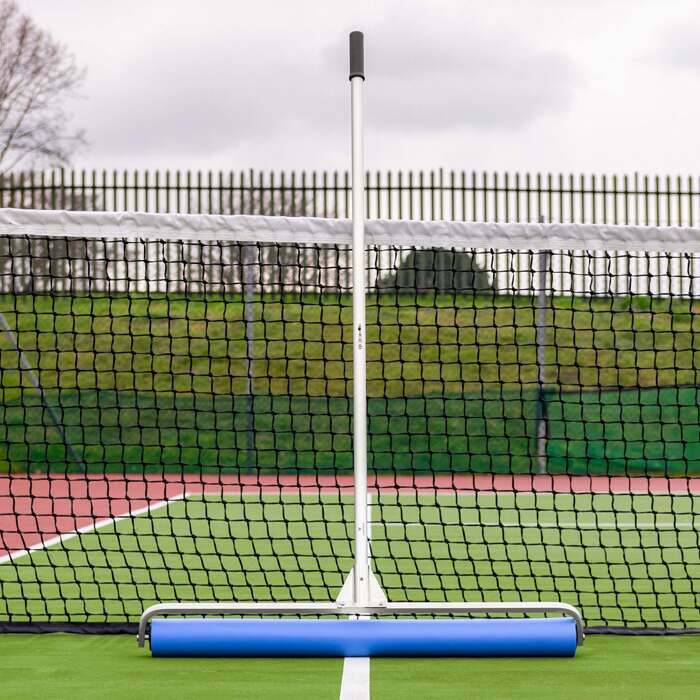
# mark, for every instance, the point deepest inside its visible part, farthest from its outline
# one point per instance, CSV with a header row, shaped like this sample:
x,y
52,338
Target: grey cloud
x,y
209,93
434,71
679,48
458,83
428,71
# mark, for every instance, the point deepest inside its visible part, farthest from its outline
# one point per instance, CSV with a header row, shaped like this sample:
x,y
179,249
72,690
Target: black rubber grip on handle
x,y
357,55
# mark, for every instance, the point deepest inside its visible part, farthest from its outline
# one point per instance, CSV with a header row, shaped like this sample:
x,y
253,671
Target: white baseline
x,y
90,527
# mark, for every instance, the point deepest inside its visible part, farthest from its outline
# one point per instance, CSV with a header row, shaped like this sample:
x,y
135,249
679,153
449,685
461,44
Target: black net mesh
x,y
176,424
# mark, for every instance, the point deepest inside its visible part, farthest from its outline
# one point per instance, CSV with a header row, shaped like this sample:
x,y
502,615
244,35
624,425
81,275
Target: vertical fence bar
x,y
495,197
42,192
389,195
335,190
32,189
324,193
691,194
283,194
506,197
64,199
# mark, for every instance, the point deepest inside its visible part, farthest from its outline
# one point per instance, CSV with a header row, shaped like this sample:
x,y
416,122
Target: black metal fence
x,y
633,199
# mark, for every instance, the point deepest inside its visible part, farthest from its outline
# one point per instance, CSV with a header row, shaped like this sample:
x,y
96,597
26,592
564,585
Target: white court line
x,y
91,527
552,526
355,683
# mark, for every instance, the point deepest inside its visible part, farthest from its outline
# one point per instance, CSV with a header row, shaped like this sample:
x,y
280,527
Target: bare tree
x,y
37,74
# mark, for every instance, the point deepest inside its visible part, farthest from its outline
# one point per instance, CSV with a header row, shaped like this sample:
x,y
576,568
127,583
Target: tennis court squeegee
x,y
207,629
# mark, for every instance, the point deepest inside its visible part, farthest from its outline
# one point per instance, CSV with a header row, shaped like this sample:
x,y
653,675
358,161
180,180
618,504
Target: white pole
x,y
361,568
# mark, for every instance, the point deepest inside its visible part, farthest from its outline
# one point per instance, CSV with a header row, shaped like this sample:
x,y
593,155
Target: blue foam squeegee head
x,y
299,638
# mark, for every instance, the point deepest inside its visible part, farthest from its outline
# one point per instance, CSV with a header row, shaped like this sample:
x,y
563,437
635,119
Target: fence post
x,y
541,343
36,383
249,315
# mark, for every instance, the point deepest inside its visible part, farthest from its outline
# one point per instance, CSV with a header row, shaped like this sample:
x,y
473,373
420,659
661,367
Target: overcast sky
x,y
538,85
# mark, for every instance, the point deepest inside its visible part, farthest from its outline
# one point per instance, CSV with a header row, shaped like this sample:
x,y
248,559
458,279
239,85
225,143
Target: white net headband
x,y
284,229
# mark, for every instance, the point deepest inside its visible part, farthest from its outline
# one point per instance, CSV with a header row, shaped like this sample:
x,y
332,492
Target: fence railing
x,y
439,194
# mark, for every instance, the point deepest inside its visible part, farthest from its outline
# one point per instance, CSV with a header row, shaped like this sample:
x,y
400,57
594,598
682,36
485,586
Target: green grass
x,y
417,344
623,559
80,667
159,383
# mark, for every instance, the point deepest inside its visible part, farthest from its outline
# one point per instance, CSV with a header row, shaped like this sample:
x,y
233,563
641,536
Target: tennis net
x,y
176,414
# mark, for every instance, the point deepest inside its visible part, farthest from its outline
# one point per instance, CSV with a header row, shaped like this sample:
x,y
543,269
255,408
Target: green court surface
x,y
624,559
78,667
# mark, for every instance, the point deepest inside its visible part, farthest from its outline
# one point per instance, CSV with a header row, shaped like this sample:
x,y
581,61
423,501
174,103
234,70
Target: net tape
x,y
282,229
